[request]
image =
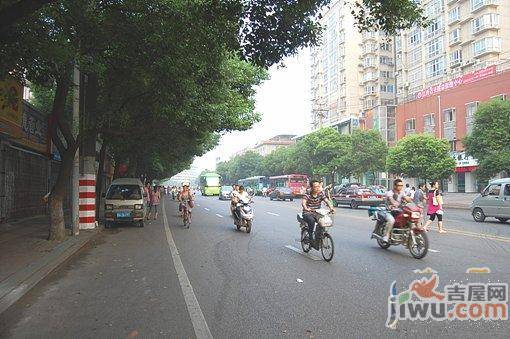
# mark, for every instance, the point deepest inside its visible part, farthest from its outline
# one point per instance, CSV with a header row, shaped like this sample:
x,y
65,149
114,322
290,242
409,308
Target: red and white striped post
x,y
87,201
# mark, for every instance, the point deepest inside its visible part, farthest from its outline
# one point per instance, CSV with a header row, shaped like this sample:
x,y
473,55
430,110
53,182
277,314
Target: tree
x,y
489,141
369,152
421,156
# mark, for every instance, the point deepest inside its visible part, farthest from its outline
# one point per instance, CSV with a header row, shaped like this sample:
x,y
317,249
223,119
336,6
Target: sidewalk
x,y
458,200
26,257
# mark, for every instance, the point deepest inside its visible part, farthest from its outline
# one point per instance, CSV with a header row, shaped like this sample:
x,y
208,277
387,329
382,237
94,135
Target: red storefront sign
x,y
464,79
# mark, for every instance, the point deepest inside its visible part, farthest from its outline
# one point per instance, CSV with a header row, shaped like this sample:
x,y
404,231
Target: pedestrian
x,y
435,207
419,197
147,196
412,192
155,200
407,190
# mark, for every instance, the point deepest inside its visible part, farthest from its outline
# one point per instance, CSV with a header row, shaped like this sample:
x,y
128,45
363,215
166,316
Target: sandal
x,y
442,231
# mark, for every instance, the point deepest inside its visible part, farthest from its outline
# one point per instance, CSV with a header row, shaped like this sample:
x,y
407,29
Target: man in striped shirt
x,y
313,201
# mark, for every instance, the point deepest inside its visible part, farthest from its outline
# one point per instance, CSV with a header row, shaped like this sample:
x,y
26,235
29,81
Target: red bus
x,y
296,182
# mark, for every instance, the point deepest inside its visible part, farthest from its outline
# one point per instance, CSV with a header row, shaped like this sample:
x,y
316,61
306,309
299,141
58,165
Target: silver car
x,y
494,201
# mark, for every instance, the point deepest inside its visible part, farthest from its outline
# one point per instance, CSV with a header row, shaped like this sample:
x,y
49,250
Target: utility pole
x,y
75,189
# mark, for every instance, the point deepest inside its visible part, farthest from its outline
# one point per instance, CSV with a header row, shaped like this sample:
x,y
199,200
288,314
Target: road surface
x,y
132,282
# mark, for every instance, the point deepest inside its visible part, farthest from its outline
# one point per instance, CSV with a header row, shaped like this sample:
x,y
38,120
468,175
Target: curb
x,y
18,284
457,207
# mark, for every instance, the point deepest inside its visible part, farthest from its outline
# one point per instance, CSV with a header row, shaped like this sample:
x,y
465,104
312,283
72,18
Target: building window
x,y
455,58
388,88
455,36
410,125
454,15
387,74
370,89
385,46
490,20
471,108
386,60
429,120
415,37
434,7
435,67
449,115
435,47
369,61
485,45
499,97
476,4
415,75
435,27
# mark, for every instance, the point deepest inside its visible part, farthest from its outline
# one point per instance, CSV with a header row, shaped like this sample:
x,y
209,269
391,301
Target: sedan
x,y
281,193
357,196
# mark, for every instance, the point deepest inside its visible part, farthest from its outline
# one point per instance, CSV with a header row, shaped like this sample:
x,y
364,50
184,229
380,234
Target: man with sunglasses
x,y
394,200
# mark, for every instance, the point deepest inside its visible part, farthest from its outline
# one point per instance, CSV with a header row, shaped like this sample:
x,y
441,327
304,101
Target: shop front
x,y
464,179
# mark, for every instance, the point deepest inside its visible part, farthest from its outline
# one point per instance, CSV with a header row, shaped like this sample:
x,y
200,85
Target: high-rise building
x,y
335,75
463,36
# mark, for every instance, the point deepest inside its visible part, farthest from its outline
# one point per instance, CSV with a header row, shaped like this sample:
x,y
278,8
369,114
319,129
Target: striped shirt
x,y
314,202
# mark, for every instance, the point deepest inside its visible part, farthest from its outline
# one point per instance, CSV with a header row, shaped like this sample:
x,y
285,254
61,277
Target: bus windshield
x,y
212,181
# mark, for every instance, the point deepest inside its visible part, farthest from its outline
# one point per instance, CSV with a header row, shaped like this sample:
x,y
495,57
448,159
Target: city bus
x,y
210,183
298,183
256,183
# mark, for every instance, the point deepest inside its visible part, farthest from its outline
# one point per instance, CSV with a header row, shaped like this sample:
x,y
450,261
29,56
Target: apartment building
x,y
335,73
463,36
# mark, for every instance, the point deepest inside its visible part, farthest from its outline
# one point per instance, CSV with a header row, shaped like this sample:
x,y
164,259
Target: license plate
x,y
372,197
123,214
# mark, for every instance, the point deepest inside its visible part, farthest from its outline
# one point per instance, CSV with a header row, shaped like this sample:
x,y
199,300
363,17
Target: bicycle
x,y
321,235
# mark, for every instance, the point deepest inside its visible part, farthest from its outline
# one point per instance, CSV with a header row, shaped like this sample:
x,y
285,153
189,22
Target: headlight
x,y
138,206
415,215
108,207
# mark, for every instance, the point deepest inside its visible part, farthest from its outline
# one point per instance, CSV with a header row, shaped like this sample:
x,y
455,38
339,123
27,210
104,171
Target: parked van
x,y
494,201
125,202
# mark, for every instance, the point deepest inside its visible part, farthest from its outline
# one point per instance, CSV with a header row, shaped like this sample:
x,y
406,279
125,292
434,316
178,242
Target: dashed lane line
x,y
219,215
205,208
297,250
271,213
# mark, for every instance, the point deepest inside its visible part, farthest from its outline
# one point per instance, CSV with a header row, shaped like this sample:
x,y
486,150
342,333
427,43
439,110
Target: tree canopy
x,y
421,156
489,141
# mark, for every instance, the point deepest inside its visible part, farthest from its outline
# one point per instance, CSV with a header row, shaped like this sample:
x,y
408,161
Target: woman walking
x,y
155,200
435,207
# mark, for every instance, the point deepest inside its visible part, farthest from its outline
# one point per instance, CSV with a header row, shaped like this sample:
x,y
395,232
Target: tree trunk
x,y
57,222
99,177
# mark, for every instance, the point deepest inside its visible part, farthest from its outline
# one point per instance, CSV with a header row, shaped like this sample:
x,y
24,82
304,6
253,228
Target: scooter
x,y
243,214
406,231
321,235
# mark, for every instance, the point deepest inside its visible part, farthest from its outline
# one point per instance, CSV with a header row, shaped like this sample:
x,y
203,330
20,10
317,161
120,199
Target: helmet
x,y
185,183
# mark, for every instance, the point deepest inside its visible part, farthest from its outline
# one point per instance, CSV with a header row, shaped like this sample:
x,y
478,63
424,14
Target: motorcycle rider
x,y
394,199
185,197
313,201
240,195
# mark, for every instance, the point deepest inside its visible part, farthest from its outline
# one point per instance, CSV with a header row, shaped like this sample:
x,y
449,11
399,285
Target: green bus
x,y
210,184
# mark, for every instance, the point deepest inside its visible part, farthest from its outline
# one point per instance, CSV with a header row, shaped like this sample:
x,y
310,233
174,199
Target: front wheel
x,y
248,226
380,231
478,215
354,204
420,249
327,247
305,241
141,223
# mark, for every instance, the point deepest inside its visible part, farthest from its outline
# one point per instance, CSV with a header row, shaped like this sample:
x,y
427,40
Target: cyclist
x,y
312,201
185,197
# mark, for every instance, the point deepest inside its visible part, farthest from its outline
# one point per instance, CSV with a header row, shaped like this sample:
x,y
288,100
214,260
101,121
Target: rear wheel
x,y
354,204
327,247
503,220
305,242
248,226
478,215
420,249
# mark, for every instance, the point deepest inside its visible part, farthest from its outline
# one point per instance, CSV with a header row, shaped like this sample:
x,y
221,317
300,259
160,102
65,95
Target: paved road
x,y
245,285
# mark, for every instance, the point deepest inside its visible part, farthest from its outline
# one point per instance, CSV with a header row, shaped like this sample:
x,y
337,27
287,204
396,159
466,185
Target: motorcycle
x,y
321,235
243,214
406,231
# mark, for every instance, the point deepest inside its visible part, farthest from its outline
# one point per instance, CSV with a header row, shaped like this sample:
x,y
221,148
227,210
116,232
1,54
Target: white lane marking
x,y
308,255
434,251
198,205
276,215
205,208
219,215
195,312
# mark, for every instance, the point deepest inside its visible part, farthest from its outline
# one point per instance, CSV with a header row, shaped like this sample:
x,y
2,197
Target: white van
x,y
494,201
124,202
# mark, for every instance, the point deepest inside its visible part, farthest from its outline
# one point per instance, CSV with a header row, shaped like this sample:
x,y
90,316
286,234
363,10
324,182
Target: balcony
x,y
480,4
455,63
429,129
410,131
455,41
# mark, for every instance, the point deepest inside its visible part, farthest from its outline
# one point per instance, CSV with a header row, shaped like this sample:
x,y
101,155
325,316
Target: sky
x,y
284,103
